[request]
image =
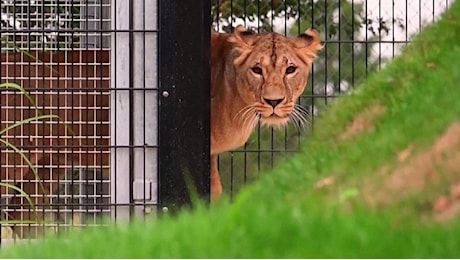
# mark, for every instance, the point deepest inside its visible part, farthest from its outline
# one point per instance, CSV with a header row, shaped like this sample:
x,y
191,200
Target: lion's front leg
x,y
216,185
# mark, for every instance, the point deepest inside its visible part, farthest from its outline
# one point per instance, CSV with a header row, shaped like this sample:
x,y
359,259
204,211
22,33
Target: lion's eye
x,y
257,70
291,69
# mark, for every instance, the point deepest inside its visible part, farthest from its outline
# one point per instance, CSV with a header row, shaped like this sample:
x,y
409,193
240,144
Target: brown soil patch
x,y
440,161
446,207
404,154
363,121
326,181
443,155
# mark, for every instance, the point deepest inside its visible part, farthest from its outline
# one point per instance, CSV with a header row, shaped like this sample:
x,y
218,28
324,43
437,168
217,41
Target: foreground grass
x,y
284,215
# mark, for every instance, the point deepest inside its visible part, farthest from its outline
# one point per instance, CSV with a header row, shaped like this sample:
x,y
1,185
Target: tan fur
x,y
251,82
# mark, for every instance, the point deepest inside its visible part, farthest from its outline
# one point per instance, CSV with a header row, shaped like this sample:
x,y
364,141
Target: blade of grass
x,y
21,89
17,48
23,193
31,100
16,222
29,163
28,120
26,159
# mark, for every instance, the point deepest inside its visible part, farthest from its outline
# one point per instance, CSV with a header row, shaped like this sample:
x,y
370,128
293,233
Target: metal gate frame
x,y
160,82
184,110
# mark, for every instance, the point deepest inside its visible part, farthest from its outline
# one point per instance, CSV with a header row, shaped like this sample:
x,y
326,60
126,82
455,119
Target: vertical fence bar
x,y
120,111
145,123
184,102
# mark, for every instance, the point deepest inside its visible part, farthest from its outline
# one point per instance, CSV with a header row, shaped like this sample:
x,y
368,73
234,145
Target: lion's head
x,y
271,73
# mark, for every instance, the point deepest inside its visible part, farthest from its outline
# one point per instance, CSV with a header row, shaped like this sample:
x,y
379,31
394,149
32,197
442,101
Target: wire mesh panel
x,y
80,111
360,36
81,144
73,86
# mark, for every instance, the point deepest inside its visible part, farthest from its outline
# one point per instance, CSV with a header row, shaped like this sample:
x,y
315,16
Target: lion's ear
x,y
243,37
309,39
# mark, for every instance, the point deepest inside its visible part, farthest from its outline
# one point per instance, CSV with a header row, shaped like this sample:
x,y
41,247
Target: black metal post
x,y
184,113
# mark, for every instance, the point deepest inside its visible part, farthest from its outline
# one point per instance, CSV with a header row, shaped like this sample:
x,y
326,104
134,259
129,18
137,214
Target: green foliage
x,y
317,13
345,60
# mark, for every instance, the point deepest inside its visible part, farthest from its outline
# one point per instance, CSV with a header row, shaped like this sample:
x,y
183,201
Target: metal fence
x,y
129,81
84,144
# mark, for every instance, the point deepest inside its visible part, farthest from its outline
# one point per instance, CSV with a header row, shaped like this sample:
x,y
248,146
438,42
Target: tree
x,y
344,62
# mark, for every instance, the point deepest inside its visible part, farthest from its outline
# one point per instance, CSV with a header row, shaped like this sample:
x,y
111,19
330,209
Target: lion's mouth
x,y
299,116
274,120
281,115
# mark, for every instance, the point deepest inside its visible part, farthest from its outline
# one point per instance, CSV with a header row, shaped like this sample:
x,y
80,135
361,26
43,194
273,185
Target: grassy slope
x,y
282,215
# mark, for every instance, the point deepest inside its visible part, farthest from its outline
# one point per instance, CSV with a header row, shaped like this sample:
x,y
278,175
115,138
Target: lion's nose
x,y
273,102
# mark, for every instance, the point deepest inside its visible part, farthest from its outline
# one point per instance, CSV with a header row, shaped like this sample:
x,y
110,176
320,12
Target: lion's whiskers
x,y
253,122
242,111
248,117
299,116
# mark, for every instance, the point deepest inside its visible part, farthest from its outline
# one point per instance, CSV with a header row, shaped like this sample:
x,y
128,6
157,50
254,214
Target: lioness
x,y
255,78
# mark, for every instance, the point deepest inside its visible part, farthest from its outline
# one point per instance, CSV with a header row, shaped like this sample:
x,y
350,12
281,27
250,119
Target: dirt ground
x,y
363,121
439,163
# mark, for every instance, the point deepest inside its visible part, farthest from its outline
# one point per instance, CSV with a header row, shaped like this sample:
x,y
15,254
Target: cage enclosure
x,y
119,79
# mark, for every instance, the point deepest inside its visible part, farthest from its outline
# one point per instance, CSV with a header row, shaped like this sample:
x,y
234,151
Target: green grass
x,y
282,215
